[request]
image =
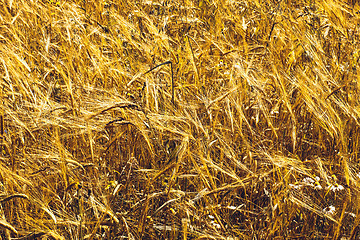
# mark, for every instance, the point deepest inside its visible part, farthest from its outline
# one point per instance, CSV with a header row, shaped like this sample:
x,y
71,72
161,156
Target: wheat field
x,y
179,119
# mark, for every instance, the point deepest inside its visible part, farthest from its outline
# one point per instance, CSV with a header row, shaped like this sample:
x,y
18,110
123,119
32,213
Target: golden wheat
x,y
193,119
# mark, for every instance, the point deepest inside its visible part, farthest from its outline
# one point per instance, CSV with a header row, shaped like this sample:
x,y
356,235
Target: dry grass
x,y
192,119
